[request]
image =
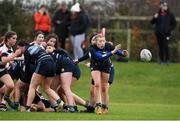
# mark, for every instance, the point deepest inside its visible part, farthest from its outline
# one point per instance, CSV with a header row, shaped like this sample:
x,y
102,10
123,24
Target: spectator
x,y
164,22
42,20
61,21
77,30
87,20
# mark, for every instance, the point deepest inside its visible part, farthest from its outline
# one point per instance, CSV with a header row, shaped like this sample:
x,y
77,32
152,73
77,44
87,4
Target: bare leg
x,y
66,79
18,86
105,88
35,82
7,80
96,75
79,101
48,90
105,92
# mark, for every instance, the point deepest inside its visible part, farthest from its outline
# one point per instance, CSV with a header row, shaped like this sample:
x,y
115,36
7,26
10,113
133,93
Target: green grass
x,y
140,91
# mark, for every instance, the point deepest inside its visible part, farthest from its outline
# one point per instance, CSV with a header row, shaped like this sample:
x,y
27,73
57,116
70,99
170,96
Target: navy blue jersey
x,y
101,57
64,63
85,57
62,52
35,53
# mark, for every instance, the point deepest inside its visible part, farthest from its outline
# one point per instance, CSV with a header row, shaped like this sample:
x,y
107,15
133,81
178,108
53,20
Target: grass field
x,y
140,91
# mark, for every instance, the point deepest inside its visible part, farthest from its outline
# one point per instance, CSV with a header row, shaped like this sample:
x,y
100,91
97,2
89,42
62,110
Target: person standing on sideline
x,y
61,21
164,22
77,30
42,20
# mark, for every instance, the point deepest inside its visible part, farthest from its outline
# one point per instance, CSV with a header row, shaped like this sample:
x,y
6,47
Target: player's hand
x,y
88,65
125,53
76,61
41,11
117,47
34,108
156,15
18,52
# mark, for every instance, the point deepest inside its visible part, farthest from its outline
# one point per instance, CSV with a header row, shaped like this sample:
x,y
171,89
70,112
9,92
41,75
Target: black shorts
x,y
76,72
111,76
64,65
105,68
46,68
37,99
15,74
26,78
46,102
2,73
27,75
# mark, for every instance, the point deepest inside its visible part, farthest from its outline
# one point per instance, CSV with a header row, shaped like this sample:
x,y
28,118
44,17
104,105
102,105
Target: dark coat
x,y
170,23
61,29
78,25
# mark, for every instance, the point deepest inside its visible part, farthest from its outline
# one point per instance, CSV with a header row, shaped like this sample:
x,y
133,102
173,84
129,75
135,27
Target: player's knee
x,y
97,85
104,89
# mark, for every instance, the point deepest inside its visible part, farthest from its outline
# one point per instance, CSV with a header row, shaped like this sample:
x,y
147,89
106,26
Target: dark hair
x,y
8,35
42,6
93,37
38,32
1,39
55,37
22,43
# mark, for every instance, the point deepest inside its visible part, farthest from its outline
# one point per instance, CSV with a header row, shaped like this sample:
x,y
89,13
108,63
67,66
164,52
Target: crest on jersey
x,y
62,70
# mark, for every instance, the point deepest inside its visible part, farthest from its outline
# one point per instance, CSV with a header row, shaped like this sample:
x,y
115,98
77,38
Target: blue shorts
x,y
46,68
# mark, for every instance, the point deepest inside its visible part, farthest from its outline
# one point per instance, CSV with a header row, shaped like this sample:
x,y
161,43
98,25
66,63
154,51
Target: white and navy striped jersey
x,y
5,52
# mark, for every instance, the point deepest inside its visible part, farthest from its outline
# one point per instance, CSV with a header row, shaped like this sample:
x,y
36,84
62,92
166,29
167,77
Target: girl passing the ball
x,y
101,64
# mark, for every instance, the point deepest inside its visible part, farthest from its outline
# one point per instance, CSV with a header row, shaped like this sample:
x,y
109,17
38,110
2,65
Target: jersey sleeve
x,y
119,52
85,57
61,52
99,55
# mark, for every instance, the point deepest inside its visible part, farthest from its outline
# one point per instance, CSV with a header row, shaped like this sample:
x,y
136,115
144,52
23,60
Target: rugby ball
x,y
145,55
